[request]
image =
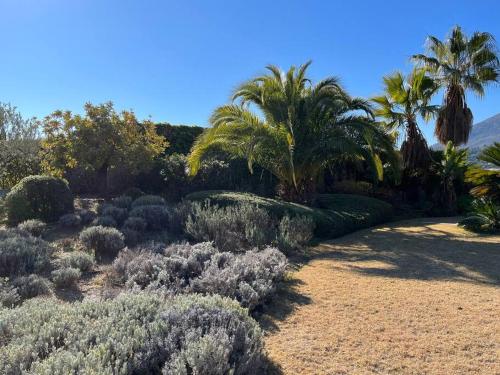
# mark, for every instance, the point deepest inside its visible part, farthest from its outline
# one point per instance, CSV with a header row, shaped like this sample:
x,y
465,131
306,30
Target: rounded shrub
x,y
135,223
31,286
149,200
131,237
86,216
65,277
79,260
34,227
105,221
106,242
123,201
133,193
119,214
70,221
156,216
38,197
295,232
22,254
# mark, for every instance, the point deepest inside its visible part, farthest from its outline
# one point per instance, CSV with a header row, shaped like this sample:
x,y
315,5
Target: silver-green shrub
x,y
31,286
123,201
295,232
106,242
34,227
86,216
231,228
79,260
105,221
70,221
132,334
156,216
65,277
22,254
135,223
149,200
119,214
8,294
250,277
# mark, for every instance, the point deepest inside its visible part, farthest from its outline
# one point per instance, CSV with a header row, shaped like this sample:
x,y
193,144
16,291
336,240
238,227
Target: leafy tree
x,y
459,64
19,146
298,129
404,101
99,140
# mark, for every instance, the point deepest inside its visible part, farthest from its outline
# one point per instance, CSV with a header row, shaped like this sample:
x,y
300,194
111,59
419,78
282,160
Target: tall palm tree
x,y
459,64
297,128
404,101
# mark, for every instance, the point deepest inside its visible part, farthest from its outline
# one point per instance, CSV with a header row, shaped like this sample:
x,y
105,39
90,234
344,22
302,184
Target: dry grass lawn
x,y
414,297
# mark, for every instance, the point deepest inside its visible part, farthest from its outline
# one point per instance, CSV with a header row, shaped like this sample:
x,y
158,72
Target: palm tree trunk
x,y
414,149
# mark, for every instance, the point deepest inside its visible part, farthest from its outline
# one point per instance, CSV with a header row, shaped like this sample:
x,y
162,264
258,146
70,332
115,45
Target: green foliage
x,y
181,137
79,260
131,334
18,159
99,141
31,286
458,64
295,232
486,181
405,100
336,215
149,200
106,242
123,201
34,227
119,214
300,128
156,216
38,197
66,277
22,254
484,216
105,221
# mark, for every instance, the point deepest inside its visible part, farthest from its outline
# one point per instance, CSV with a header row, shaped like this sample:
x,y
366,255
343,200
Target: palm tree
x,y
296,130
486,181
459,64
405,100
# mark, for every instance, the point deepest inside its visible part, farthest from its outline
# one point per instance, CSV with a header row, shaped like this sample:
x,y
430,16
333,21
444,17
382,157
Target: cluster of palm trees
x,y
295,129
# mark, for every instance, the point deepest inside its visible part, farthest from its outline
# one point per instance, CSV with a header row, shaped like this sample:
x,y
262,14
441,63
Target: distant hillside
x,y
483,134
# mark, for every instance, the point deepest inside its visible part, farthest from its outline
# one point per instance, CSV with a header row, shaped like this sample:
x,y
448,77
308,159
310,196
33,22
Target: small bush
x,y
295,233
131,334
38,197
70,221
106,242
105,221
119,214
156,217
133,193
135,223
79,260
8,294
87,216
65,277
231,228
149,200
31,286
34,227
249,278
131,237
22,254
123,201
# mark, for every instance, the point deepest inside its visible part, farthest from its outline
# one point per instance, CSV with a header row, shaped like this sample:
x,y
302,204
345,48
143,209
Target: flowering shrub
x,y
132,334
106,242
250,277
34,227
22,254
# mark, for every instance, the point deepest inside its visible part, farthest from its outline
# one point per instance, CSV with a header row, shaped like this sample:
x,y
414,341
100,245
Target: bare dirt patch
x,y
414,297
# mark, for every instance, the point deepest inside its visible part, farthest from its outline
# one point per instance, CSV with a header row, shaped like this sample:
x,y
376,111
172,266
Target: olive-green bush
x,y
38,197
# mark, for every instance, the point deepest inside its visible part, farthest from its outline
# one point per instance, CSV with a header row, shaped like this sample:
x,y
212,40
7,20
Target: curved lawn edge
x,y
334,216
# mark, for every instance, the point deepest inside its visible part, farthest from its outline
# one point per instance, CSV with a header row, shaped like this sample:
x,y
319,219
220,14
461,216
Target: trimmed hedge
x,y
38,197
334,216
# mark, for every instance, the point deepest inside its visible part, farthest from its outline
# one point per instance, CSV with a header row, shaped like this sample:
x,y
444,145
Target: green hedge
x,y
335,214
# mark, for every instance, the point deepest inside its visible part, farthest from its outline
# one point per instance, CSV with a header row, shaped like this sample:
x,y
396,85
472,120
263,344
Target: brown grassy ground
x,y
414,297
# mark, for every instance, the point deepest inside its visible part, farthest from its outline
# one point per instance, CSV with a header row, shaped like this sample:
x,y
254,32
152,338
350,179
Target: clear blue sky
x,y
177,60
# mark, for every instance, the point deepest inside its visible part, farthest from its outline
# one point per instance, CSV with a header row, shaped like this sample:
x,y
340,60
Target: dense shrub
x,y
65,277
484,216
38,197
156,216
133,193
19,158
70,221
231,228
295,232
250,277
135,223
119,214
8,293
123,201
79,260
131,237
21,253
34,227
132,334
106,242
149,200
105,221
86,216
31,286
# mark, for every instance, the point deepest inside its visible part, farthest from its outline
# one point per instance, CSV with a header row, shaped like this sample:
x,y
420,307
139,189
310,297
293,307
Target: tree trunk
x,y
304,193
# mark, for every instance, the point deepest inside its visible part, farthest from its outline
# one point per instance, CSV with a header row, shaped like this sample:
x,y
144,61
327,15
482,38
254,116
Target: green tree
x,y
297,128
404,101
459,64
486,181
98,141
